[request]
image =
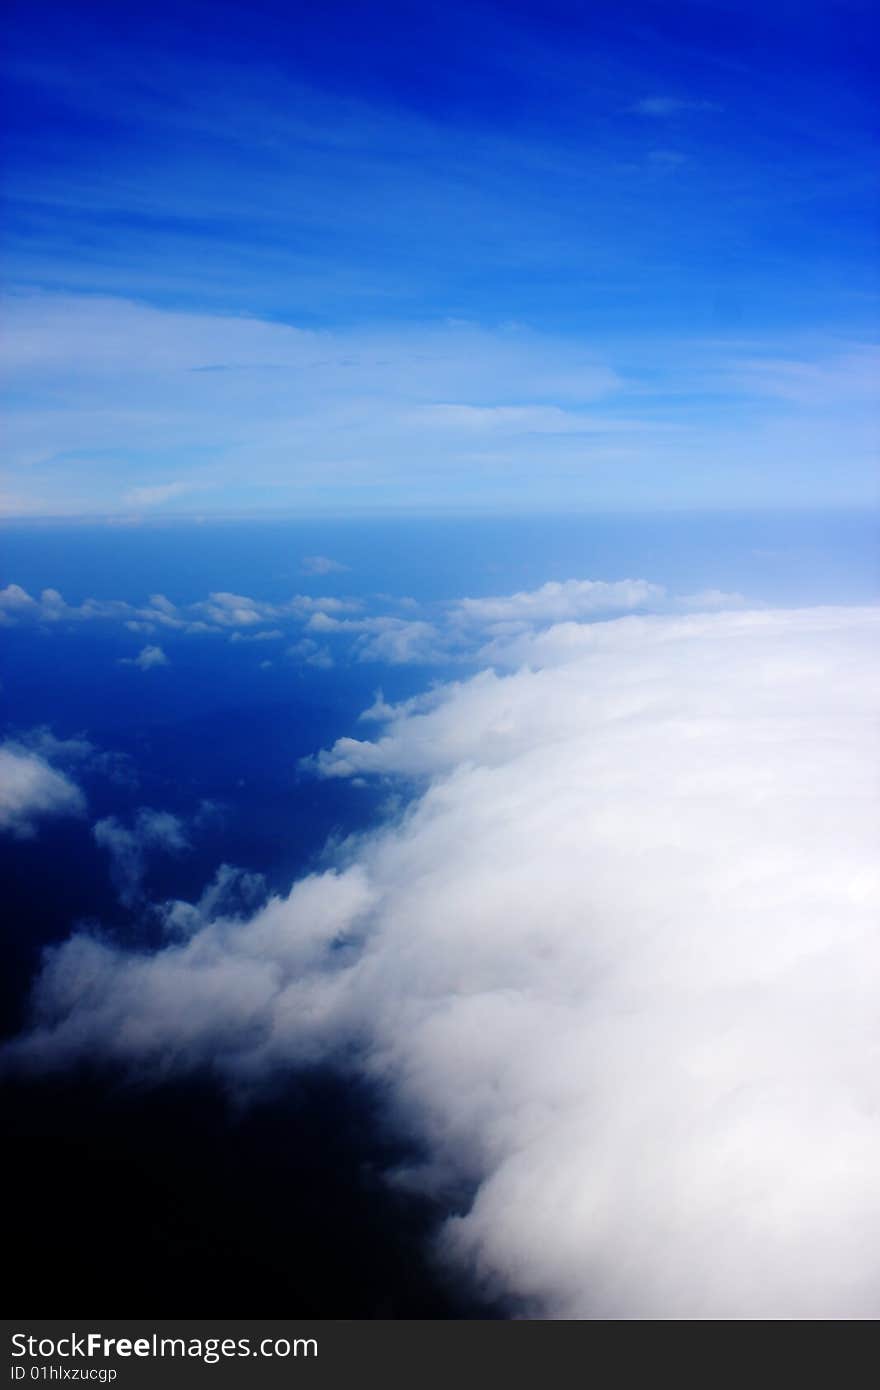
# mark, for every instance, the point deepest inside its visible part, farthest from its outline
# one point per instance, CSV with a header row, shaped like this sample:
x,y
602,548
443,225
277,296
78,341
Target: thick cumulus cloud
x,y
30,789
615,967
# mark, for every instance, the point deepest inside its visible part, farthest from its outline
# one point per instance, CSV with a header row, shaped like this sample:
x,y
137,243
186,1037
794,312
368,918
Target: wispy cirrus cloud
x,y
157,494
671,106
414,415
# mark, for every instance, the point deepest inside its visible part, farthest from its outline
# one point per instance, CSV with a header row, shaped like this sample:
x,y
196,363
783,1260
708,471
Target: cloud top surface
x,y
614,967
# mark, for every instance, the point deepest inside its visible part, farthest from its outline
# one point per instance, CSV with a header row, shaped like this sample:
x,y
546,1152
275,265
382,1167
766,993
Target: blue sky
x,y
349,257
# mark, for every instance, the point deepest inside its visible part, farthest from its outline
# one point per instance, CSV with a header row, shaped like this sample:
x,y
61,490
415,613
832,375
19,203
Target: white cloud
x,y
232,893
31,789
395,641
322,564
128,846
311,653
218,612
556,602
17,605
615,967
16,602
233,610
238,610
146,659
485,629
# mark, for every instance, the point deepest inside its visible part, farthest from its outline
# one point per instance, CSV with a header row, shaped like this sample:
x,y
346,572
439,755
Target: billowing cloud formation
x,y
231,893
30,789
615,967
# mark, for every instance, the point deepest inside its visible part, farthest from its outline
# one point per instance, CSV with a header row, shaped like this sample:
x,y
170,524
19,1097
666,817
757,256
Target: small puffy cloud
x,y
146,659
322,564
323,631
232,610
226,610
16,602
457,631
30,788
310,651
18,606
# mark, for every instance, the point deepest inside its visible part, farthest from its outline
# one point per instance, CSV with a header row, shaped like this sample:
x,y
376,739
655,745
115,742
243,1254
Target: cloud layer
x,y
614,967
457,630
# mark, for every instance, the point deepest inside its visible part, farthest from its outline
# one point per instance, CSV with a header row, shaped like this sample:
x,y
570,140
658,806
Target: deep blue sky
x,y
539,256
